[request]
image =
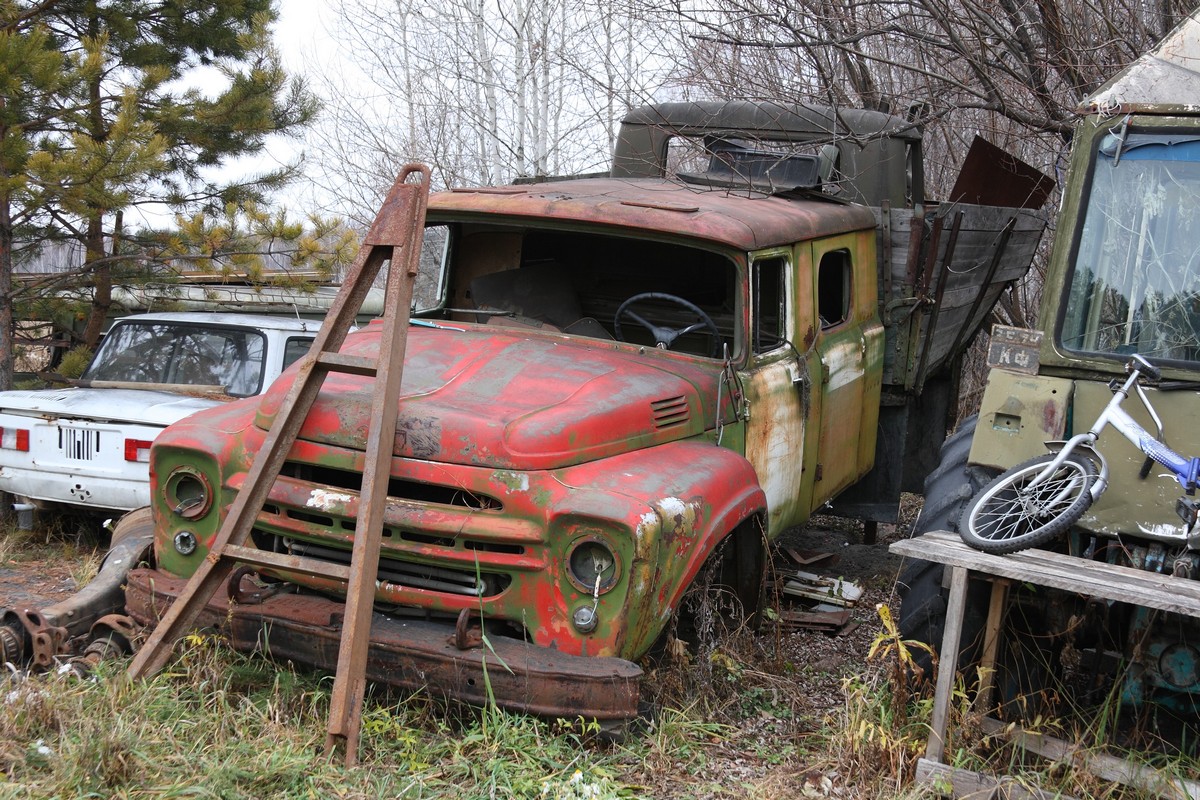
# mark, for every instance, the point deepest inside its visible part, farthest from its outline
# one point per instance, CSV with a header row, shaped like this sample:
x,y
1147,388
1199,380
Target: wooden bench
x,y
1059,571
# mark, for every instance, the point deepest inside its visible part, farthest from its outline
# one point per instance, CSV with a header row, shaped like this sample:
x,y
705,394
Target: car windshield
x,y
175,353
1136,282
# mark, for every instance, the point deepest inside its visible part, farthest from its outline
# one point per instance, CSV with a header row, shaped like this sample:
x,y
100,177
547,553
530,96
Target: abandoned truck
x,y
618,380
87,446
1123,278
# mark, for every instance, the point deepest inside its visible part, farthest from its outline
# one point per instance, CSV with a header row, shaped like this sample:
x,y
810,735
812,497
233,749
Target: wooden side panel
x,y
966,268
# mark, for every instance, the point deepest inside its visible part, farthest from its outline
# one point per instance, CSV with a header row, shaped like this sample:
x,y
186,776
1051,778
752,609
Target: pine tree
x,y
98,116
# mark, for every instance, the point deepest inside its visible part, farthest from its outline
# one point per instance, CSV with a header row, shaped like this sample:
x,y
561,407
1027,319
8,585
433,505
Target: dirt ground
x,y
47,577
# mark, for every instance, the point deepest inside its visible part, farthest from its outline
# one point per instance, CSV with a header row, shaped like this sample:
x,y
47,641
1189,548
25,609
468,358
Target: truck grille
x,y
78,444
415,491
411,575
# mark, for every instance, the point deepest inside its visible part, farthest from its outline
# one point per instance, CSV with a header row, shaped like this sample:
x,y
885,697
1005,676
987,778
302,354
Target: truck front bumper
x,y
409,654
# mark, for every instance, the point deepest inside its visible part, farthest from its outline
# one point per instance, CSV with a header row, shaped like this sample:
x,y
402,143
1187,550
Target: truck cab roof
x,y
743,219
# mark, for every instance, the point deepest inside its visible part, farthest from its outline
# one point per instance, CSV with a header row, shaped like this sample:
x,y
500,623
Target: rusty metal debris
x,y
801,557
47,640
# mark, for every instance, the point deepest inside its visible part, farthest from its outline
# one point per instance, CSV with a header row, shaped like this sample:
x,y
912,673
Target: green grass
x,y
222,725
218,724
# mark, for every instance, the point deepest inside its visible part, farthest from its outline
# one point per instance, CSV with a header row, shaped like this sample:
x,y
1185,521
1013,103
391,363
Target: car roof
x,y
734,218
228,319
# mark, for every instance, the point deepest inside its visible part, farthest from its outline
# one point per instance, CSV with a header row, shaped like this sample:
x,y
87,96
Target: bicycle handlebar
x,y
1137,362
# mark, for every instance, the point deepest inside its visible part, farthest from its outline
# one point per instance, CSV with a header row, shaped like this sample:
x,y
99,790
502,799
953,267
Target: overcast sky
x,y
300,31
301,35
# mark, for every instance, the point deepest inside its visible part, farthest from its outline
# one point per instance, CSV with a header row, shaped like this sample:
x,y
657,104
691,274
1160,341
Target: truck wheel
x,y
727,592
948,489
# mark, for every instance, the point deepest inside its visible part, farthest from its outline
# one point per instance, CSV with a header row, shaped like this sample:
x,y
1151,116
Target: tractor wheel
x,y
923,599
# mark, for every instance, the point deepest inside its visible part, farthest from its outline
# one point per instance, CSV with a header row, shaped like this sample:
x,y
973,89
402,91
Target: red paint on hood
x,y
515,401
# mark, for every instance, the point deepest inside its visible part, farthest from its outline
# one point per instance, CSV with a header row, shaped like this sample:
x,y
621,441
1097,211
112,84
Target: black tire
x,y
922,598
1011,515
727,594
728,591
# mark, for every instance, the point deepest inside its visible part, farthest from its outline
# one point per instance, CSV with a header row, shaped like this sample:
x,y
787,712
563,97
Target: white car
x,y
88,446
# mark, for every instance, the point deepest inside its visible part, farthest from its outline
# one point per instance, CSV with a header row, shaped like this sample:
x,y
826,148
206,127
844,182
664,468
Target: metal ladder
x,y
395,236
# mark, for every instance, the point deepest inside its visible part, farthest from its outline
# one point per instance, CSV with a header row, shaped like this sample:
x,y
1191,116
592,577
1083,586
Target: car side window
x,y
294,348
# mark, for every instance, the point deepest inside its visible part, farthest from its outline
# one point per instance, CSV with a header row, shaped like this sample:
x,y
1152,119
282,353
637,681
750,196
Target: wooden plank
x,y
974,217
991,644
948,665
1060,571
1102,765
966,783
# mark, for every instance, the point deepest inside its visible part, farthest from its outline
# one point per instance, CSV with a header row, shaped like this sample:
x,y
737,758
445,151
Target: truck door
x,y
843,362
775,387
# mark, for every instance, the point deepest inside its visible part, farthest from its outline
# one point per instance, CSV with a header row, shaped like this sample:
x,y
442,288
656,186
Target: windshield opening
x,y
1135,287
184,355
595,285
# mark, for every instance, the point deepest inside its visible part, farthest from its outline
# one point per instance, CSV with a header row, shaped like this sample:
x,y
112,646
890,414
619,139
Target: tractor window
x,y
1135,286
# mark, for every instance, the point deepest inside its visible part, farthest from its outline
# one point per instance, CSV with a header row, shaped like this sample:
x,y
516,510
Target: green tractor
x,y
1123,279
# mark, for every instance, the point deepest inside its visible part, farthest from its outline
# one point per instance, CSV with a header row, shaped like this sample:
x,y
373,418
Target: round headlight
x,y
188,492
591,559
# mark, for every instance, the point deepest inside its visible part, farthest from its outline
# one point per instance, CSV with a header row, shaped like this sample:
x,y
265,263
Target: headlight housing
x,y
188,492
591,558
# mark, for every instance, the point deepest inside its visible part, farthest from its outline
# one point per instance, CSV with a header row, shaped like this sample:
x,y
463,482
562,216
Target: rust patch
x,y
420,435
1052,420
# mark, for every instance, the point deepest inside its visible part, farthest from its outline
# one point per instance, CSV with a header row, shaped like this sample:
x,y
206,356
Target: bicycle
x,y
1034,502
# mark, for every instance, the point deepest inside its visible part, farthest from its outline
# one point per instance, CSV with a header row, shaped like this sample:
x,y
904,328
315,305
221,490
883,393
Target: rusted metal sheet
x,y
411,654
991,176
721,217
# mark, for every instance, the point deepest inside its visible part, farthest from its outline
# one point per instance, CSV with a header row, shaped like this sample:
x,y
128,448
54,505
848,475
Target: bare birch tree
x,y
486,91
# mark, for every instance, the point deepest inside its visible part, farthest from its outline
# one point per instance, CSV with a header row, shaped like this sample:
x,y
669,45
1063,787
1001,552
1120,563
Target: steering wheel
x,y
664,337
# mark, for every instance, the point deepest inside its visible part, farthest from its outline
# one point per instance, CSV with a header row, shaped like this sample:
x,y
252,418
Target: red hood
x,y
514,401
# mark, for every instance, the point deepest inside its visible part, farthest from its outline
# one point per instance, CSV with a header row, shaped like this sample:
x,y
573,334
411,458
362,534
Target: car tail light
x,y
14,439
137,450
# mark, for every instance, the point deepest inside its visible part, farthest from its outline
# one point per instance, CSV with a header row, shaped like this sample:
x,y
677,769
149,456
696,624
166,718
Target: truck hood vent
x,y
669,412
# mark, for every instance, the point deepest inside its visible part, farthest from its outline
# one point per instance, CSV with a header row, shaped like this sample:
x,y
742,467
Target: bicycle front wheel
x,y
1013,513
